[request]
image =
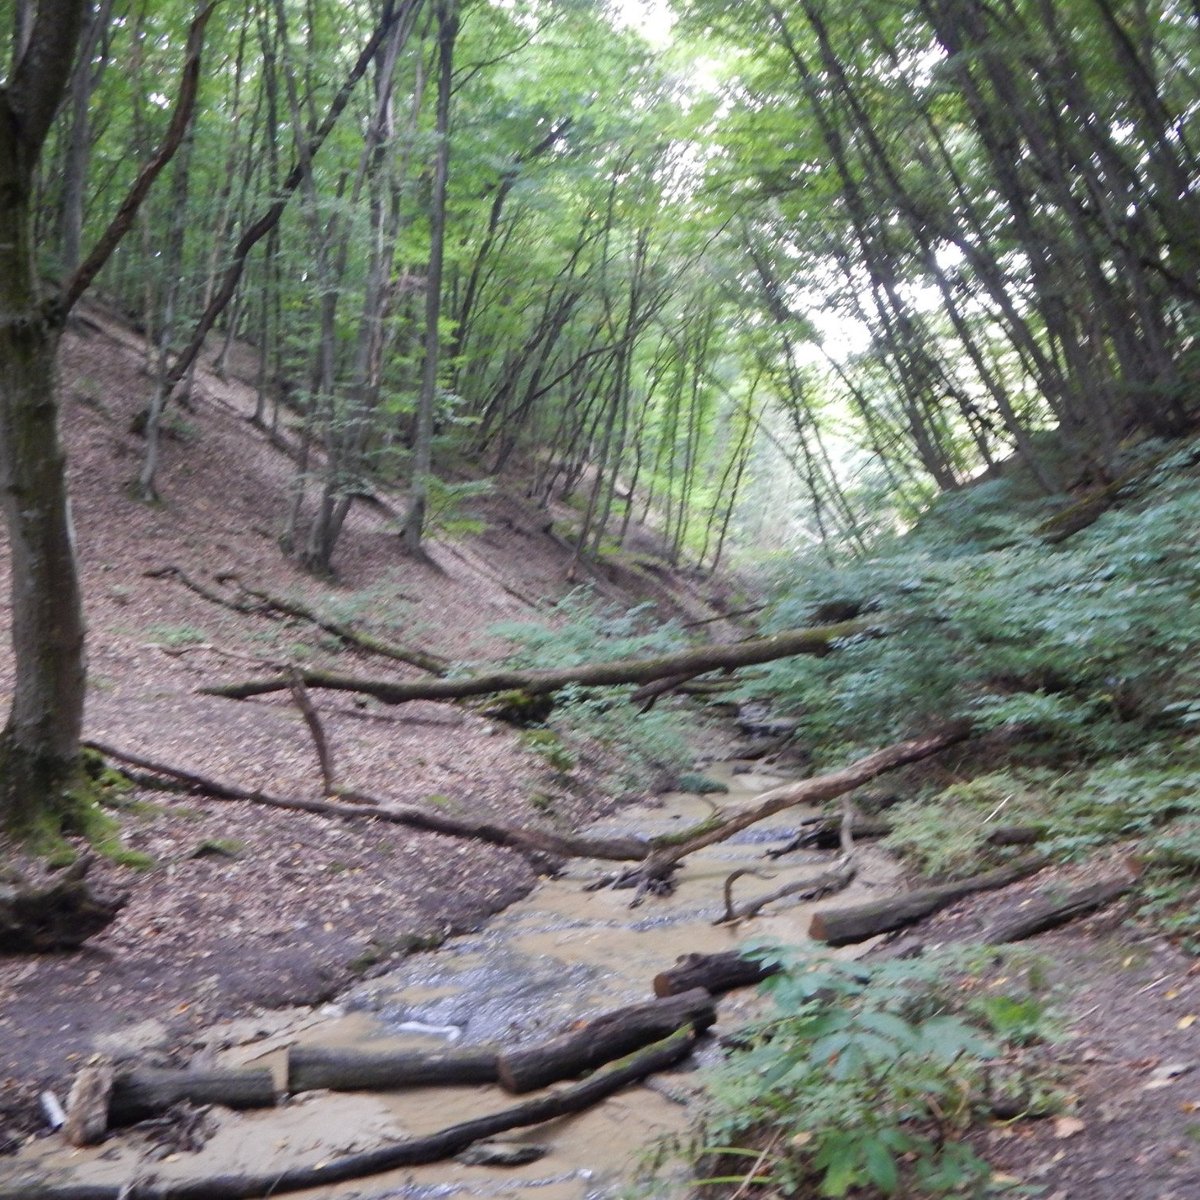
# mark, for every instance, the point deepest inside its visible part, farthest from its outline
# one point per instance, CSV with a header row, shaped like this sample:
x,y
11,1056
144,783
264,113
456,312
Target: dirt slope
x,y
247,905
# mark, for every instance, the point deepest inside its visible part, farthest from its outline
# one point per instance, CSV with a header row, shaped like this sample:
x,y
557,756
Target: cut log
x,y
1050,914
715,973
844,926
88,1104
820,639
433,1147
604,1039
313,1067
59,914
145,1091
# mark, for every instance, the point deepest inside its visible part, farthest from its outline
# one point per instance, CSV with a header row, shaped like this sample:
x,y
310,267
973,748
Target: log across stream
x,y
561,955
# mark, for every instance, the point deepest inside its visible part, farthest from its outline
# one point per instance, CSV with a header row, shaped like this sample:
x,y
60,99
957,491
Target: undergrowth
x,y
868,1076
639,748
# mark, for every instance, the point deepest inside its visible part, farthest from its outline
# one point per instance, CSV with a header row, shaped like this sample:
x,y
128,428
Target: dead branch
x,y
430,1148
845,926
520,839
434,664
806,791
819,640
837,878
317,730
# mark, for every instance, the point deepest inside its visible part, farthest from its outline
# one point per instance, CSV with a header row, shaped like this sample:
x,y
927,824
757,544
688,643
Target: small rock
x,y
501,1154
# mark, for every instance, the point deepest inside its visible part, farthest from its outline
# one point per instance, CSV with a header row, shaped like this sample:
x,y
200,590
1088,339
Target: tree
x,y
39,747
40,761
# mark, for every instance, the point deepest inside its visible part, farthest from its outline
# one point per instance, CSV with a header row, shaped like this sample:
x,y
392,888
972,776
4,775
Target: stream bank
x,y
559,955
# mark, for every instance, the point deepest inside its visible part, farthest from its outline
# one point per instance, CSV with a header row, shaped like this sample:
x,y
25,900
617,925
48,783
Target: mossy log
x,y
313,1067
819,640
845,926
606,1038
60,914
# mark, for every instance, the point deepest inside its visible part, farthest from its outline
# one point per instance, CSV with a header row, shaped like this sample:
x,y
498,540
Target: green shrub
x,y
865,1076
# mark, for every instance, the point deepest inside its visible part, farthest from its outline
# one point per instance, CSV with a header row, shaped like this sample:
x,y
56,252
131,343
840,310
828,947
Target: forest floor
x,y
248,908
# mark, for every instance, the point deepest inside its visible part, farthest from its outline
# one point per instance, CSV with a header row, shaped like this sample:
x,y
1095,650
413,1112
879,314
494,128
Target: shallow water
x,y
557,956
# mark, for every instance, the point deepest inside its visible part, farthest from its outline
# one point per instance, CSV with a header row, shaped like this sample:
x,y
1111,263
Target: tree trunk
x,y
414,523
39,747
818,640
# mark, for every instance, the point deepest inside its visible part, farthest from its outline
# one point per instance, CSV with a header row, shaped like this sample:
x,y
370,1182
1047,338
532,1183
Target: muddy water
x,y
560,954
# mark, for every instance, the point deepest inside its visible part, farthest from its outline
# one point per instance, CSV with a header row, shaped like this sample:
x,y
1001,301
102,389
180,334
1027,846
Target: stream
x,y
557,956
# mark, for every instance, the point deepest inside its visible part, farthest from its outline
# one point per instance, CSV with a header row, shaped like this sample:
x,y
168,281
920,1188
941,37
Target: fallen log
x,y
824,833
145,1091
431,1148
60,914
715,973
658,856
845,926
816,790
818,640
604,1039
524,840
1050,914
313,1067
434,664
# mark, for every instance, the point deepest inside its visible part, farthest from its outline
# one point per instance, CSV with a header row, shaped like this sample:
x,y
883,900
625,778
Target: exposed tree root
x,y
58,915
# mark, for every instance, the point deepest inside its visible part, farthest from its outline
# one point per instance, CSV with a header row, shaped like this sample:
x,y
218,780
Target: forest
x,y
490,484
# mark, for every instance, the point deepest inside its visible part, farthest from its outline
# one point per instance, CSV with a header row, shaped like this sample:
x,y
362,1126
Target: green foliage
x,y
700,785
548,745
447,506
177,635
582,629
1087,643
945,832
865,1076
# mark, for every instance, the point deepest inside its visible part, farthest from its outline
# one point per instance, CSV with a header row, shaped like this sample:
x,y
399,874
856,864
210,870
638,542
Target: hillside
x,y
246,905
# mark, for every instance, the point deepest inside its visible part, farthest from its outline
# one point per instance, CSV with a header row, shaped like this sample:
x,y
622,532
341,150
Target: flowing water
x,y
559,955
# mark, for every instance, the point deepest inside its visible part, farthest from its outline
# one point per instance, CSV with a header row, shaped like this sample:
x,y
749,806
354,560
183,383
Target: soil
x,y
248,908
245,906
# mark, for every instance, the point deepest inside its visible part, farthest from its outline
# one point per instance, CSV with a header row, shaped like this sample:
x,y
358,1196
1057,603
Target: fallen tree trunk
x,y
313,1067
262,602
844,926
816,790
658,856
521,839
604,1039
360,639
431,1148
60,914
817,640
1050,914
145,1091
715,973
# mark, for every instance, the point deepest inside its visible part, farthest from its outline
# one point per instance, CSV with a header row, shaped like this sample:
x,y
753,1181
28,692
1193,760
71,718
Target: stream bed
x,y
560,955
